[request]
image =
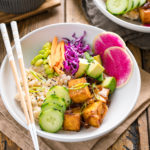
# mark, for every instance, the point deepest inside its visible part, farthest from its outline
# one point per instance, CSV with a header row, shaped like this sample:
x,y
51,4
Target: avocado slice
x,y
98,59
95,69
83,66
110,83
100,78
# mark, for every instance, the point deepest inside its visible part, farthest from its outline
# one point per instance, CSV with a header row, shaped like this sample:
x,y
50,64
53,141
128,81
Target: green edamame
x,y
40,56
42,51
45,61
51,75
39,62
49,70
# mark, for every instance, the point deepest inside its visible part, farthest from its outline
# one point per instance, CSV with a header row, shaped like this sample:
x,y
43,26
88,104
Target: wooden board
x,y
6,18
132,138
52,16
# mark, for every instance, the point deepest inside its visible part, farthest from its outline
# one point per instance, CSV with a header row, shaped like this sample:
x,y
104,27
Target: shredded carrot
x,y
63,50
58,70
62,58
53,49
57,55
49,61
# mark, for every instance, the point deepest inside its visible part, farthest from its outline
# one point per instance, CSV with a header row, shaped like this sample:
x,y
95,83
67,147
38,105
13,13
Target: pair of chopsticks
x,y
26,104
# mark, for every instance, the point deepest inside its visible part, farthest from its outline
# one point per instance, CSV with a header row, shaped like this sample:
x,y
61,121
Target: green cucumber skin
x,y
57,101
54,88
40,123
47,106
121,13
137,5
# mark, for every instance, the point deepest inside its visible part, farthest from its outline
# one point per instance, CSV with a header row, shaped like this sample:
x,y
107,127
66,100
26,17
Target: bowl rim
x,y
121,22
55,136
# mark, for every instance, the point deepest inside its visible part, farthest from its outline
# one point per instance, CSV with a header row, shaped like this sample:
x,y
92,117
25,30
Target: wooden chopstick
x,y
23,74
16,77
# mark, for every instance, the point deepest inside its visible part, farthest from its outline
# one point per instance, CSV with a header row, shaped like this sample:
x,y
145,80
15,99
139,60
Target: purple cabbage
x,y
74,49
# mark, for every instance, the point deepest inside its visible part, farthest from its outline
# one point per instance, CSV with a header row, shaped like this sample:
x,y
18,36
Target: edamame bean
x,y
56,74
39,62
49,70
42,51
40,56
46,66
46,45
45,55
45,62
51,75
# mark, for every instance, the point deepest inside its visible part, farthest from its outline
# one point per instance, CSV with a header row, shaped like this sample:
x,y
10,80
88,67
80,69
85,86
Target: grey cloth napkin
x,y
94,15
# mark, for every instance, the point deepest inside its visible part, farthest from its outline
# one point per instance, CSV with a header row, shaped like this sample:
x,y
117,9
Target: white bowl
x,y
122,101
122,21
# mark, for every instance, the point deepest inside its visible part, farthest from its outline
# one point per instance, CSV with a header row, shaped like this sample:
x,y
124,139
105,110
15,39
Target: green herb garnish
x,y
38,76
88,57
79,86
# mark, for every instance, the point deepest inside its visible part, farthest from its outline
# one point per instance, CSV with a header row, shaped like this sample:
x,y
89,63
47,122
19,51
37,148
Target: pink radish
x,y
106,40
117,63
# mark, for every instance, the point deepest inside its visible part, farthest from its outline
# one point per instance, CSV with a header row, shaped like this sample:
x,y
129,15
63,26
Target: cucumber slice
x,y
47,106
117,7
136,3
51,120
130,5
54,100
142,2
61,92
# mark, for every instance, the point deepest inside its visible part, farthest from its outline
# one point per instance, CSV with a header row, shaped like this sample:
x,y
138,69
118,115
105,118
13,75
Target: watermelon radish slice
x,y
118,64
106,40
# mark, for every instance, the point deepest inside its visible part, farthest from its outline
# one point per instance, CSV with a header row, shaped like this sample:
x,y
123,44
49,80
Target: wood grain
x,y
54,15
143,131
146,66
7,144
74,12
6,18
70,11
136,52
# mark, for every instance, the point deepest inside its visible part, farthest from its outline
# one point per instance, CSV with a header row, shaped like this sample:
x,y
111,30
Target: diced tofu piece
x,y
102,92
81,95
145,15
76,110
72,121
94,113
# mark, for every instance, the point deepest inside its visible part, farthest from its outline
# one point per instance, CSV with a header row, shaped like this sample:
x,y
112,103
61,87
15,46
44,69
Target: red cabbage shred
x,y
74,49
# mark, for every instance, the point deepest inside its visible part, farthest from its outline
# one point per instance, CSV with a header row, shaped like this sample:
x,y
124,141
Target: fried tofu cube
x,y
80,95
72,121
145,15
94,113
76,110
104,92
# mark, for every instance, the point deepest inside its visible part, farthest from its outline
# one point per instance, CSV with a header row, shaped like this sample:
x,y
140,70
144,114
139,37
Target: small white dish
x,y
122,101
122,21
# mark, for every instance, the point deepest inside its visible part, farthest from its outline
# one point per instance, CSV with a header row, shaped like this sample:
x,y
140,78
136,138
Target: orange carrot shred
x,y
58,70
53,49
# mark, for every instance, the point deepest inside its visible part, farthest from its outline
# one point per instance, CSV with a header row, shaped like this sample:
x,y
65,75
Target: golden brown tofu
x,y
80,95
102,92
72,121
76,110
94,113
145,15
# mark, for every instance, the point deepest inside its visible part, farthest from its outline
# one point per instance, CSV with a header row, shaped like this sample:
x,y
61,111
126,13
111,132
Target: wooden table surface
x,y
137,136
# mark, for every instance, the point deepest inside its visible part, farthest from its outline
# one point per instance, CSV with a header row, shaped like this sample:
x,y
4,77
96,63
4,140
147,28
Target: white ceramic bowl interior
x,y
122,21
122,101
